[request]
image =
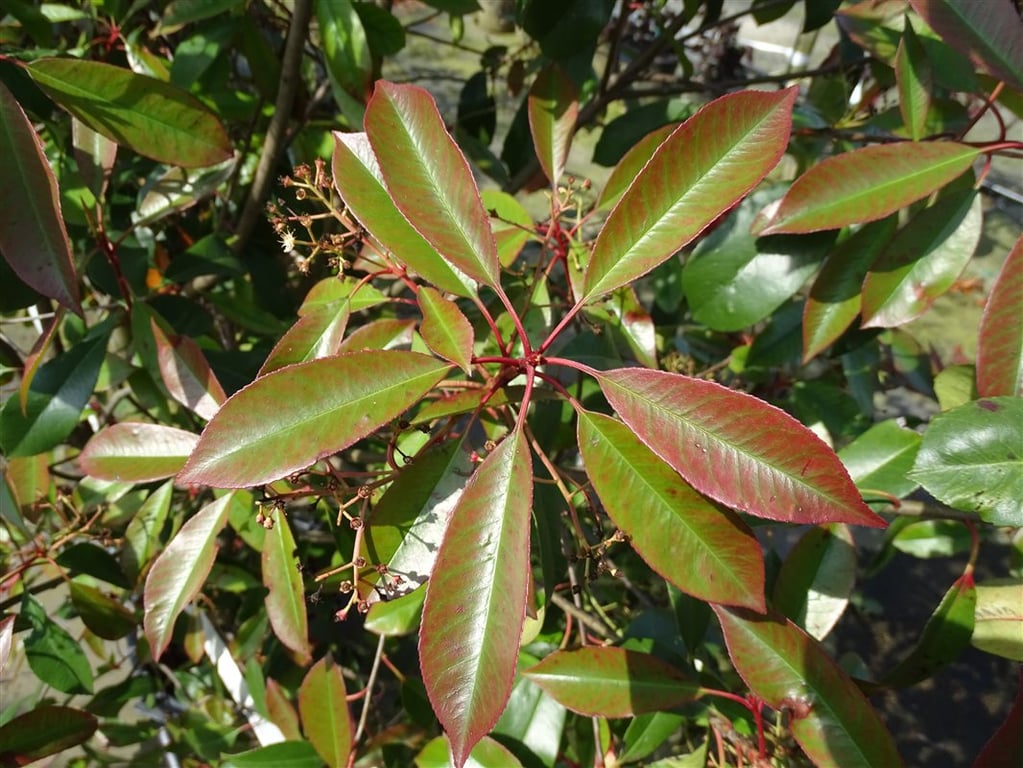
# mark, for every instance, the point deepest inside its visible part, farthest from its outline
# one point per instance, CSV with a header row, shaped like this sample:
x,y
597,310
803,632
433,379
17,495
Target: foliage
x,y
353,463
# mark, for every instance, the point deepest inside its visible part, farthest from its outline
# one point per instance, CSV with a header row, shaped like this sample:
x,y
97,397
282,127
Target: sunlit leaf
x,y
999,618
868,184
735,448
324,711
913,77
316,334
814,582
880,459
281,711
6,640
445,329
629,166
142,536
180,571
396,617
553,110
33,239
288,419
134,452
429,179
829,716
44,731
612,682
1000,349
186,374
704,551
285,598
345,48
383,333
709,163
532,718
488,753
286,754
476,598
151,117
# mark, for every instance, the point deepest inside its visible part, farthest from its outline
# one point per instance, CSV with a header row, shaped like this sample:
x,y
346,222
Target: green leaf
x,y
989,34
430,180
361,185
707,165
1000,349
704,551
532,718
622,315
104,615
396,617
181,12
956,385
324,712
999,618
445,329
286,754
384,333
281,711
316,334
476,599
142,537
285,599
836,295
971,459
59,392
829,716
511,223
913,77
33,239
646,733
44,731
814,583
931,538
55,657
868,184
880,459
133,452
488,753
553,109
384,32
629,166
93,560
291,418
345,48
180,571
612,682
735,448
147,115
924,258
187,374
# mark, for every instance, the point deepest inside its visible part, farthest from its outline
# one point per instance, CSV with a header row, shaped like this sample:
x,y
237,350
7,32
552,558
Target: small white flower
x,y
288,240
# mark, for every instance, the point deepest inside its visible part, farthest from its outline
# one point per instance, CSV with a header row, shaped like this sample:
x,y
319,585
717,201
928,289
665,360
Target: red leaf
x,y
736,449
445,329
552,110
132,452
316,334
476,598
1005,747
186,374
1000,350
43,731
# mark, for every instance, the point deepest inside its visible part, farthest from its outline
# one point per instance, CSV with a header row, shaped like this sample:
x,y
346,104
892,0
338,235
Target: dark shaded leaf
x,y
1005,748
44,731
104,615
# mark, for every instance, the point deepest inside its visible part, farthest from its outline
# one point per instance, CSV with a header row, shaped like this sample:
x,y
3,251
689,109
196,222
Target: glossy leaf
x,y
532,718
361,185
60,391
396,617
476,598
629,166
186,374
1000,349
989,34
33,239
142,536
1005,747
999,618
151,117
345,48
384,333
133,452
488,753
913,77
180,571
830,718
868,184
880,459
646,733
612,682
324,712
707,165
316,334
813,585
445,329
281,711
56,658
429,179
553,109
970,459
286,754
923,259
6,641
946,635
285,599
288,419
735,448
704,551
835,298
44,731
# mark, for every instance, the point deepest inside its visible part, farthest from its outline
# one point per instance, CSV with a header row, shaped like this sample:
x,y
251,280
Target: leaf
x,y
646,733
291,418
384,333
142,537
1005,748
924,259
735,448
1000,349
999,618
315,335
324,712
34,359
532,718
512,225
151,117
836,297
286,754
707,165
397,617
361,185
913,77
706,552
285,599
180,571
6,641
612,682
971,459
92,560
476,598
989,34
488,753
880,459
629,166
281,711
553,110
55,657
61,389
429,179
33,239
345,48
44,731
104,615
868,184
830,718
133,452
445,329
814,583
186,374
621,313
